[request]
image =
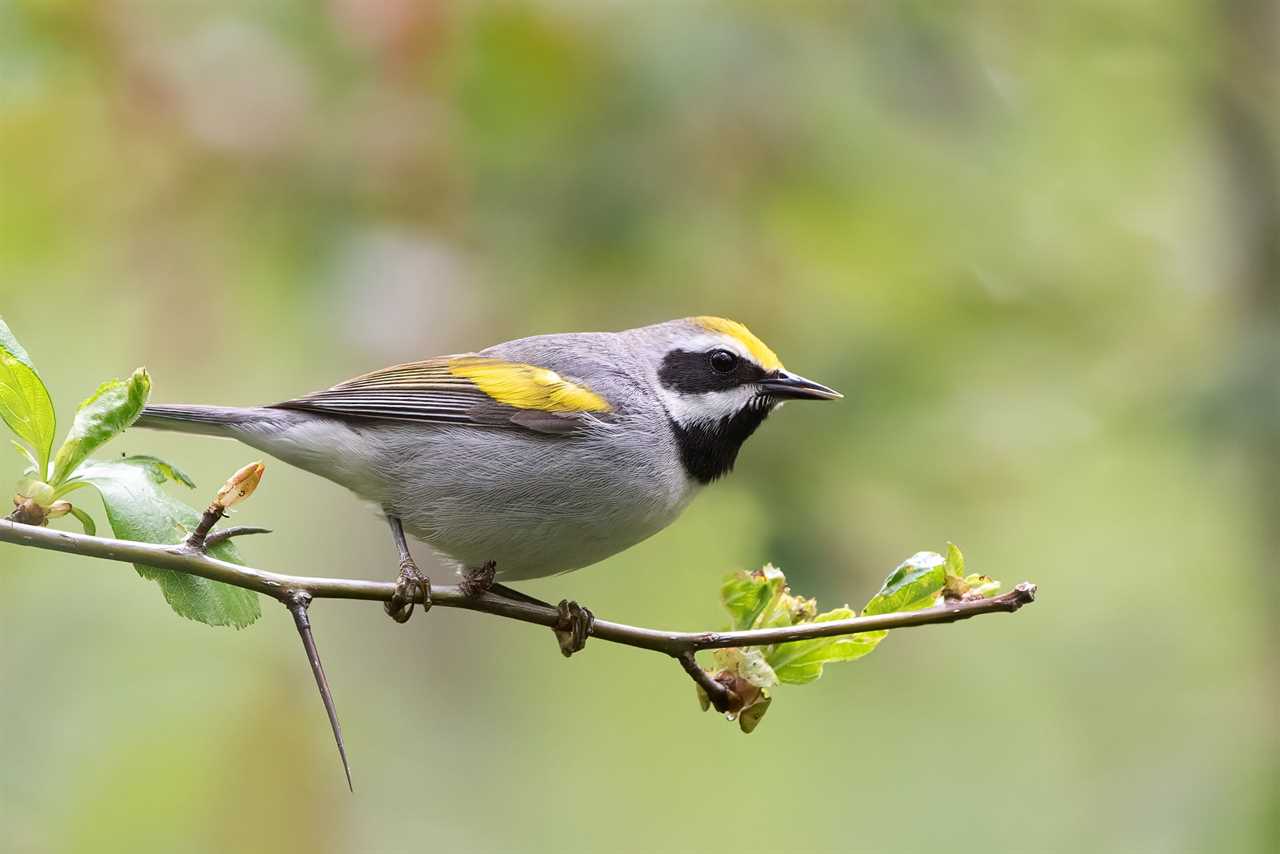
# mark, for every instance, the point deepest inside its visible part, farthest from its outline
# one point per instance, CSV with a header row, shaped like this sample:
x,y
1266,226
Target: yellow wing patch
x,y
757,348
527,386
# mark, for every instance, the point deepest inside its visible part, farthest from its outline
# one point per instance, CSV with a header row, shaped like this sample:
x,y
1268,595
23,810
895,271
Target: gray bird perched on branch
x,y
533,457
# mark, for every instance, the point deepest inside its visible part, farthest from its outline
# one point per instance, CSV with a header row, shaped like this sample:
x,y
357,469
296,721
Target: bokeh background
x,y
1035,244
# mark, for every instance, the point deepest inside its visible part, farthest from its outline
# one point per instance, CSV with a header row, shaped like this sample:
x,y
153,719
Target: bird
x,y
529,458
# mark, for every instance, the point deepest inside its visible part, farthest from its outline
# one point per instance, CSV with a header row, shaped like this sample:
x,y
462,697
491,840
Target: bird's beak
x,y
784,385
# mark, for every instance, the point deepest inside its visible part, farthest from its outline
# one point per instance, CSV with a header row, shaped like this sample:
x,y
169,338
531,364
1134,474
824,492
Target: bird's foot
x,y
477,582
573,627
408,584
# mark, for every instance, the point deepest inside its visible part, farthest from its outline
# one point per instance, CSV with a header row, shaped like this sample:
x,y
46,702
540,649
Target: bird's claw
x,y
573,627
410,581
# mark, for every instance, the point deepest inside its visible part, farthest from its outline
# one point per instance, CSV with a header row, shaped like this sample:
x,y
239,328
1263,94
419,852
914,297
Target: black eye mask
x,y
691,372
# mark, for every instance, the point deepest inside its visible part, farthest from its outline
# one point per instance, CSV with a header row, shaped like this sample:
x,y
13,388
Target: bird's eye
x,y
723,362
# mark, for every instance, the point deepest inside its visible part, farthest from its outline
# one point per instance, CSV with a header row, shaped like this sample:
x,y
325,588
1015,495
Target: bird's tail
x,y
202,420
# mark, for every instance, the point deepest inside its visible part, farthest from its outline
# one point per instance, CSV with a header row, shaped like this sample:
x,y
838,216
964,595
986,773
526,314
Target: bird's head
x,y
718,382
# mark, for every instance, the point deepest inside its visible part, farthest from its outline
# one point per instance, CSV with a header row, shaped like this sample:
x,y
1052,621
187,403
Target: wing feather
x,y
467,389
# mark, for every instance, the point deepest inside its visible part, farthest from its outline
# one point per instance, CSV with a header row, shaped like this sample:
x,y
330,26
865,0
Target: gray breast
x,y
536,505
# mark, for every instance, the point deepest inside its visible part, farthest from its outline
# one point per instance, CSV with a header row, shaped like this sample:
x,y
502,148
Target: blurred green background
x,y
1036,245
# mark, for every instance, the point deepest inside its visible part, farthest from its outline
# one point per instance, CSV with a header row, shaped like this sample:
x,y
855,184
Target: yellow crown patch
x,y
757,348
527,386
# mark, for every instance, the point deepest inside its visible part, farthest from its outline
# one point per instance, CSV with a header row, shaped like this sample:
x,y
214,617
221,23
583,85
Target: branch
x,y
296,593
183,558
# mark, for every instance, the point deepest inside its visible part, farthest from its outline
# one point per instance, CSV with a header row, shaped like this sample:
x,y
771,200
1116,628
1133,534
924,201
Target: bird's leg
x,y
574,626
410,580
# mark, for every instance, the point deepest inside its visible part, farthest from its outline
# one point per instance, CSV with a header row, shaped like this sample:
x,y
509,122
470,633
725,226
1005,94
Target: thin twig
x,y
279,586
721,696
210,517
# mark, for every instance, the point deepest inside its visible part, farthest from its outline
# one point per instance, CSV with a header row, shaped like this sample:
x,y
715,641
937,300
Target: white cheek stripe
x,y
689,409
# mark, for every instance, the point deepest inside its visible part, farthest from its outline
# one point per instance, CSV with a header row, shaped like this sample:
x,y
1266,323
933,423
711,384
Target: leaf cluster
x,y
762,600
136,506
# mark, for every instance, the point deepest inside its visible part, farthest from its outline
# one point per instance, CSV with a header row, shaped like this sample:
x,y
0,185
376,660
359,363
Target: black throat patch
x,y
709,449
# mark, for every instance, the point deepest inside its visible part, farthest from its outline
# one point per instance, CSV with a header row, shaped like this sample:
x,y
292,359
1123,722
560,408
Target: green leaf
x,y
24,401
748,595
37,490
786,610
33,467
703,700
962,586
85,520
983,585
915,584
113,407
762,599
68,486
749,664
138,510
10,345
802,661
749,718
159,470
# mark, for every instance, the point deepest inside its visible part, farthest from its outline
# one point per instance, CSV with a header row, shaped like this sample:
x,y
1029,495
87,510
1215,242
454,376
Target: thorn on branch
x,y
227,533
298,602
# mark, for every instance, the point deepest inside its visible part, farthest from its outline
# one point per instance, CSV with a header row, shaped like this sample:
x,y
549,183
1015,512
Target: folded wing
x,y
470,389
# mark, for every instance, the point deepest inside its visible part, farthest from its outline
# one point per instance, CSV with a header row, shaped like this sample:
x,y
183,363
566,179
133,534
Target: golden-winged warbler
x,y
533,457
